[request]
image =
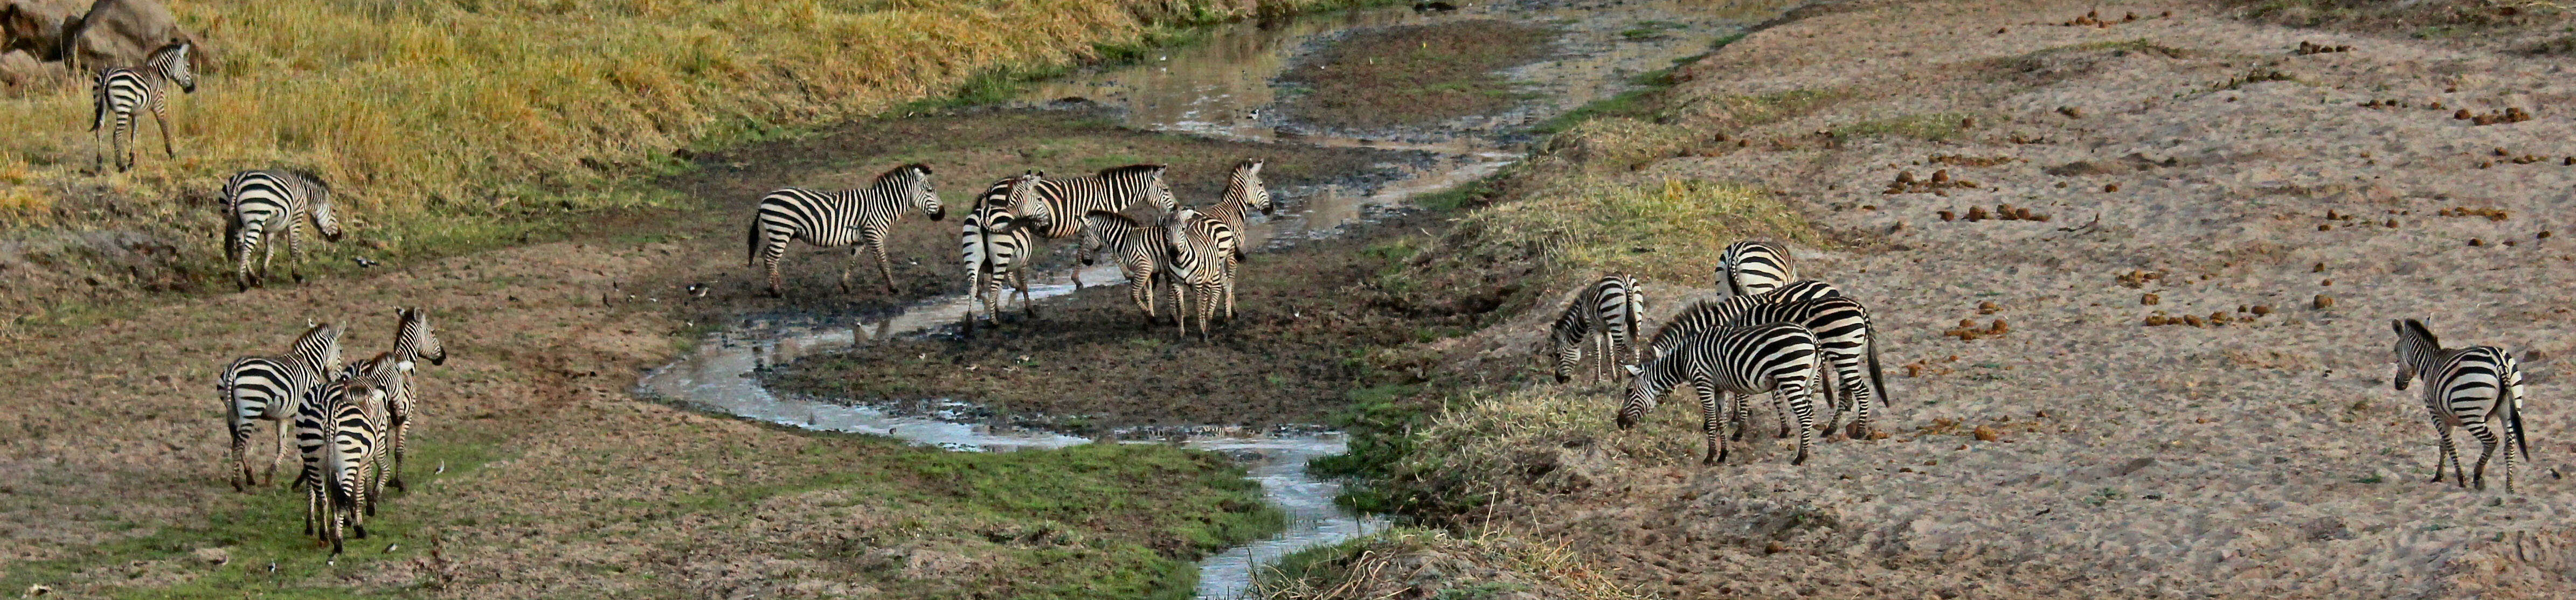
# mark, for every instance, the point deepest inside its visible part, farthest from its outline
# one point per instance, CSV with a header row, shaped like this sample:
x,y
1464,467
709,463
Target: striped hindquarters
x,y
261,199
1751,267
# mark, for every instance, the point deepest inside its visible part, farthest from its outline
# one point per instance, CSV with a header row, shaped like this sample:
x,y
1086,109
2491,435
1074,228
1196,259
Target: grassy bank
x,y
456,125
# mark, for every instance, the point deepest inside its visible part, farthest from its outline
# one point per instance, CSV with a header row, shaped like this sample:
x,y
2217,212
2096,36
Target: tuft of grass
x,y
1932,127
1415,74
1667,229
1375,567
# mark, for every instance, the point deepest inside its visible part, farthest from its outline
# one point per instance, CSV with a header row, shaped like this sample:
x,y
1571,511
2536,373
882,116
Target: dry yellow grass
x,y
453,113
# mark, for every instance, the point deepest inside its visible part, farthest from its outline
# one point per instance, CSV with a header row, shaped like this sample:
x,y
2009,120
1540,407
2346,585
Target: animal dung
x,y
1987,434
1988,308
2111,187
2307,48
2512,114
1947,216
2260,310
2492,214
2149,299
2322,302
2475,242
2071,112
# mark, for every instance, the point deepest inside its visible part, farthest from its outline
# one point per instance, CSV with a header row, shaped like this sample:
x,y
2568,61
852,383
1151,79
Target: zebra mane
x,y
890,174
1135,169
309,177
1112,217
319,329
2414,331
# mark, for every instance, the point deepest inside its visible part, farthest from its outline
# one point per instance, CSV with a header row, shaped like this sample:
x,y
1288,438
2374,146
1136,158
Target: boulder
x,y
18,69
38,27
117,33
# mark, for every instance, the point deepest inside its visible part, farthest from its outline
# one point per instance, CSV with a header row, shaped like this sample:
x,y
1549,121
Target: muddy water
x,y
1220,88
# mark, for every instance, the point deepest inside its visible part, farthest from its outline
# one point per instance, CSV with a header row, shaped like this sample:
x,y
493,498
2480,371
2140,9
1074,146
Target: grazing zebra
x,y
834,219
1757,268
996,247
266,388
2478,387
1139,250
1608,315
414,341
1112,189
1200,247
257,200
122,90
1842,330
339,425
1243,193
1721,364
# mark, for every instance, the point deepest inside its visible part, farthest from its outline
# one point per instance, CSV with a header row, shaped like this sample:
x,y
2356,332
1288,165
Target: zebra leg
x,y
2441,455
1743,419
1708,400
2486,438
1021,281
1780,411
1141,292
884,267
1181,306
776,282
845,267
240,429
1209,294
160,117
1802,402
1229,289
399,428
267,256
295,248
241,264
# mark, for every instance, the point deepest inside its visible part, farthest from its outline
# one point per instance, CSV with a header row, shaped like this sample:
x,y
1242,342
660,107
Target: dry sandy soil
x,y
2264,457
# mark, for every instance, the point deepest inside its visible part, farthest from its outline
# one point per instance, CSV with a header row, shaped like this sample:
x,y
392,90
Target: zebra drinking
x,y
121,91
266,388
257,200
1723,365
1842,329
2478,387
833,219
1606,317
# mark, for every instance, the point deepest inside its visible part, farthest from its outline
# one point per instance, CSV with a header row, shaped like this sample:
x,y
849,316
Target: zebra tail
x,y
751,243
2512,400
98,104
1876,379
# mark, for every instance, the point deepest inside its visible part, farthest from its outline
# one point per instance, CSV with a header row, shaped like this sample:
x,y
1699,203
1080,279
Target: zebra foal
x,y
2478,388
1723,366
1843,333
833,219
1244,193
258,200
340,426
996,243
1606,317
1200,248
1139,250
414,341
260,389
119,92
1113,189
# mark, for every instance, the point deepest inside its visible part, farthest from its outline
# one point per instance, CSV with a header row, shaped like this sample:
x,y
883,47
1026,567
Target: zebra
x,y
1243,192
120,91
259,199
266,388
339,425
834,219
1200,247
2478,387
1843,332
414,340
996,247
1139,250
1112,189
1752,268
1607,315
1721,365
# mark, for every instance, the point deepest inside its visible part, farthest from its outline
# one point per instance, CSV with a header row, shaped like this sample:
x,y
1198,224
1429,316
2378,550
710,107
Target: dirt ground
x,y
2192,167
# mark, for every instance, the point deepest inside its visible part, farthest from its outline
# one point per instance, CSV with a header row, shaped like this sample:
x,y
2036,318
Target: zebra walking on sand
x,y
414,341
1753,268
1244,193
1200,247
257,201
1842,329
121,91
266,389
1722,366
833,219
1113,189
1139,250
996,244
2478,387
1606,317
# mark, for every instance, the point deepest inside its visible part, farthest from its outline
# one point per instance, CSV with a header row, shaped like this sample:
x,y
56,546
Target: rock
x,y
38,27
2133,466
124,32
1988,434
20,69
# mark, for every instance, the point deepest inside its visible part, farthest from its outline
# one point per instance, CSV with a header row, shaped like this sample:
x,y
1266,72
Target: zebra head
x,y
414,338
323,220
1247,181
1642,394
1161,193
172,62
1025,202
915,179
2416,347
1097,229
319,346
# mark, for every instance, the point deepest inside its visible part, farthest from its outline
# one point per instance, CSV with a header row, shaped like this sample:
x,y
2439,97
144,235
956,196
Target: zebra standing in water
x,y
1112,189
1842,329
1606,317
1200,247
1243,193
1140,251
256,201
121,91
2478,387
1753,268
834,219
414,341
996,245
1722,366
266,388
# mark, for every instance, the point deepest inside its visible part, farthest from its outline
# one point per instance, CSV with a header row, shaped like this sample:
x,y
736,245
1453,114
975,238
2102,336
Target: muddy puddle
x,y
1220,88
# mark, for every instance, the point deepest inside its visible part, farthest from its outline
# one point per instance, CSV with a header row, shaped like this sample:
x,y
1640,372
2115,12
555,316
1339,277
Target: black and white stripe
x,y
996,245
2478,387
121,91
1724,364
1842,328
1200,248
833,219
1113,189
414,341
261,200
1753,268
1602,321
1244,193
340,425
1139,250
266,388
